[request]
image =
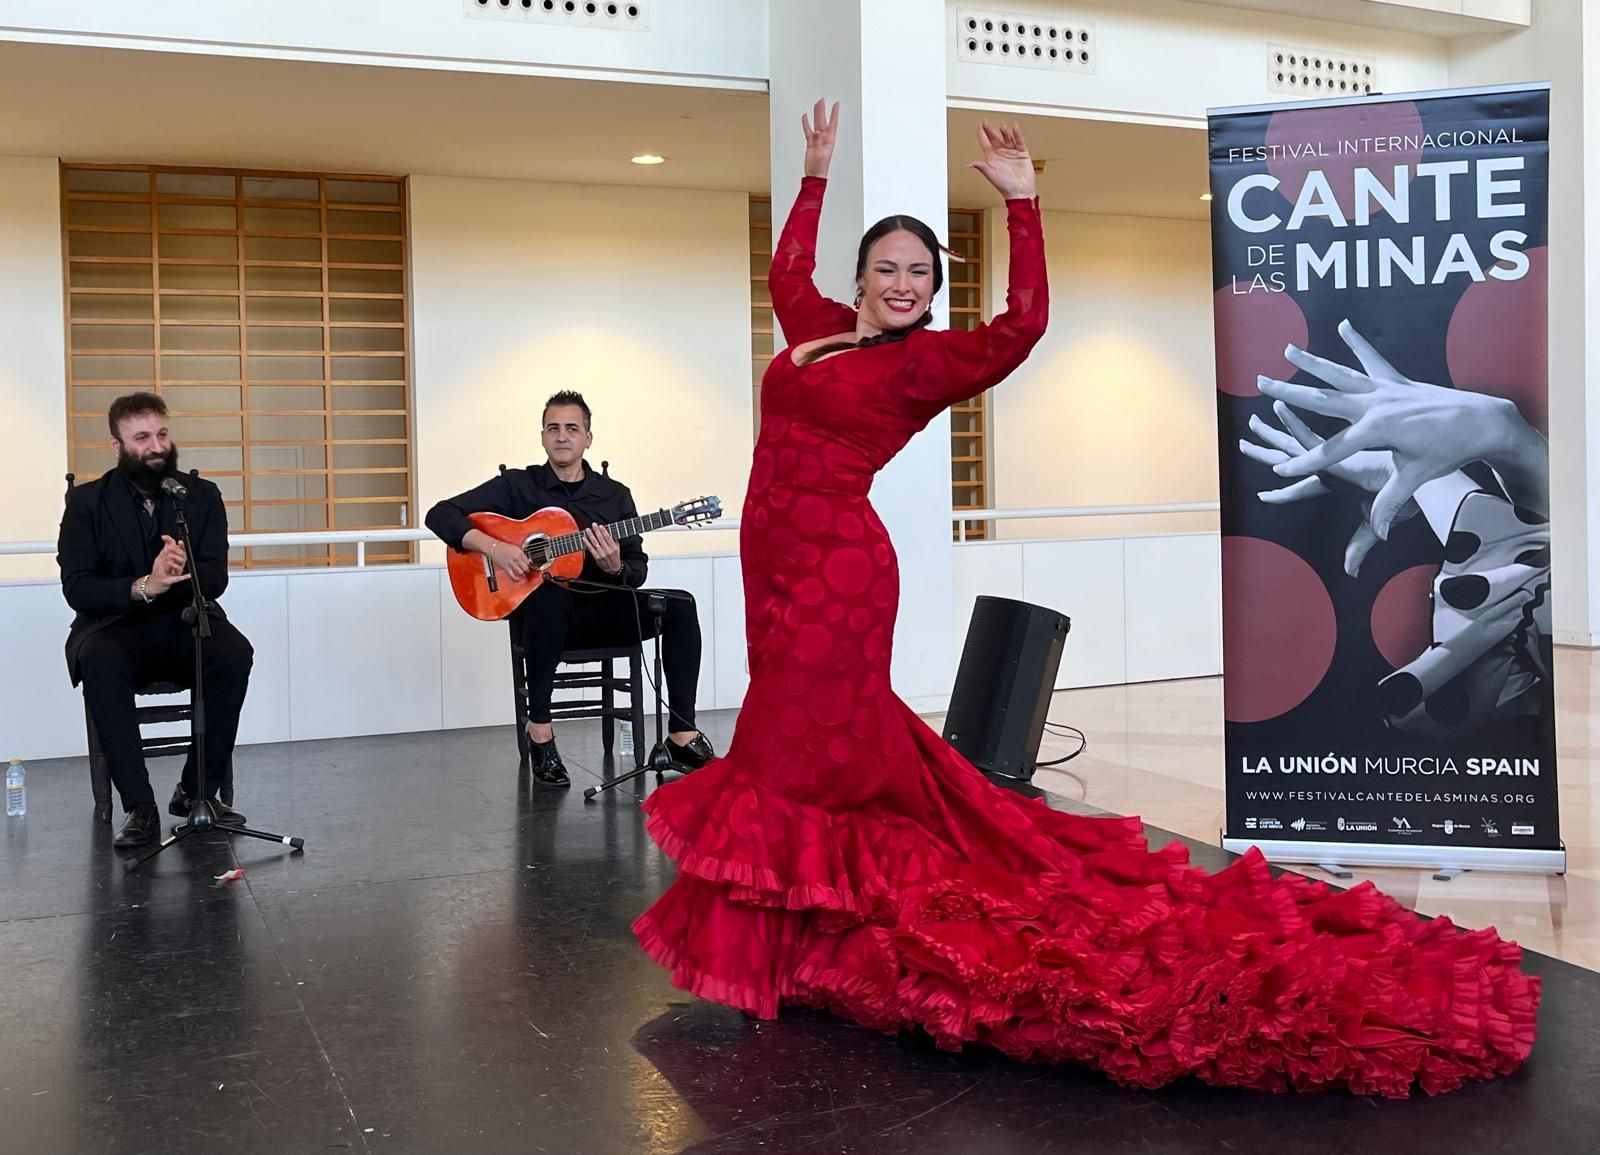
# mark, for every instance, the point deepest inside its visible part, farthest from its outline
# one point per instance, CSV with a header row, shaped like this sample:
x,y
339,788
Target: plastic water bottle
x,y
625,734
16,789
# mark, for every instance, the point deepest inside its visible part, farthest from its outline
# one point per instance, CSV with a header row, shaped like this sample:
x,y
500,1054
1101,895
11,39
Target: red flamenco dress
x,y
843,856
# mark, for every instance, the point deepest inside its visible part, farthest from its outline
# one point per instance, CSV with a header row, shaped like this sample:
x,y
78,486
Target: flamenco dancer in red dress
x,y
843,856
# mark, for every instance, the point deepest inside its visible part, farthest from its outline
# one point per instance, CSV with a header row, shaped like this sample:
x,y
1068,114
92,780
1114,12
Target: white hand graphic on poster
x,y
1431,430
1405,447
1368,470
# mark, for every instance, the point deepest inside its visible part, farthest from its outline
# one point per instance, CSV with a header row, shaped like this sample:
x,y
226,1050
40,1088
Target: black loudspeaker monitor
x,y
1002,691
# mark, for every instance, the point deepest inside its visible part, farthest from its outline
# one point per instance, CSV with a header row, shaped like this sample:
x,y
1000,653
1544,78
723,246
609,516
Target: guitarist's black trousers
x,y
556,618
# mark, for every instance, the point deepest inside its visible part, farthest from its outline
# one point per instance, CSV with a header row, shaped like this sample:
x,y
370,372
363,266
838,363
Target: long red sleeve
x,y
951,366
803,313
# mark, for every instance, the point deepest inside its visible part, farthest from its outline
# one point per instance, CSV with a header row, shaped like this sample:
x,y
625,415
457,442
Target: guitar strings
x,y
572,542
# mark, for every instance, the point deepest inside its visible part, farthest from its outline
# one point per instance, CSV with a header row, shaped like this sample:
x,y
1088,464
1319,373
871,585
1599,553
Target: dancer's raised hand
x,y
821,129
1006,163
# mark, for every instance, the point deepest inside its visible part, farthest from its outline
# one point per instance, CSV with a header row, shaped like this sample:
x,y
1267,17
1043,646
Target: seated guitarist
x,y
555,617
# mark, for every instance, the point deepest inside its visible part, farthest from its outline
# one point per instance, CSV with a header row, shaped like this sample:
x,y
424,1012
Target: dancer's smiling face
x,y
897,281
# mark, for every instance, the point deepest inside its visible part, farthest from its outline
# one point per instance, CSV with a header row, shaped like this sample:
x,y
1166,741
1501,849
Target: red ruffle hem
x,y
1101,952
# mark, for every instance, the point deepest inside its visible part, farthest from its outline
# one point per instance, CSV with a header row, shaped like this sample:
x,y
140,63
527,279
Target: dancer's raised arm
x,y
953,365
803,313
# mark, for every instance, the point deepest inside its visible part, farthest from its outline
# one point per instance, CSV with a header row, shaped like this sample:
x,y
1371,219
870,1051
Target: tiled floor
x,y
1155,750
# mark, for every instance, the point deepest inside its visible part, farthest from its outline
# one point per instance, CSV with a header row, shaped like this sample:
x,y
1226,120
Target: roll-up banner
x,y
1380,270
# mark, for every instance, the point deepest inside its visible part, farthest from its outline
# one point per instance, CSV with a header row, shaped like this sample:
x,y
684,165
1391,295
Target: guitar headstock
x,y
696,512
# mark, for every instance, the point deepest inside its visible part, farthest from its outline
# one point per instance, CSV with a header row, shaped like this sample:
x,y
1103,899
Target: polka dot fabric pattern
x,y
843,856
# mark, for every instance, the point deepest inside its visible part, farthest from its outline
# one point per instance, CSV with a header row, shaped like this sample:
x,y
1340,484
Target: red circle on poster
x,y
1402,615
1497,342
1252,330
1278,629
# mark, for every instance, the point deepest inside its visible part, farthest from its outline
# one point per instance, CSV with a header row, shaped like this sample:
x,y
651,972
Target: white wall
x,y
1158,58
1117,404
33,374
387,650
346,652
637,298
1130,622
1575,216
1167,60
705,42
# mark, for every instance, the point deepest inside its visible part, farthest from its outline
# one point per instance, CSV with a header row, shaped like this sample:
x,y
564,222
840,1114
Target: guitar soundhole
x,y
534,547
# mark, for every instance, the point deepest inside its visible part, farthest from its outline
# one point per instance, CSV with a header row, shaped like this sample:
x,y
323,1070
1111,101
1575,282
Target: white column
x,y
885,65
1562,46
33,370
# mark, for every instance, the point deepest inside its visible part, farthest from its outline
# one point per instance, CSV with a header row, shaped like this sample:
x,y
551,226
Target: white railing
x,y
961,517
361,538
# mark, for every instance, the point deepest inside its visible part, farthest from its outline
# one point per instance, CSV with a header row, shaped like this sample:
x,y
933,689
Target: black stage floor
x,y
448,968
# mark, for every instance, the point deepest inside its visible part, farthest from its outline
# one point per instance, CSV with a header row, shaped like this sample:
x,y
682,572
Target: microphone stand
x,y
660,761
201,815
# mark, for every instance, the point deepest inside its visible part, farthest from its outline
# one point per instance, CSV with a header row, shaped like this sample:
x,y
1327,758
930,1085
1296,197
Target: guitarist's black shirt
x,y
516,493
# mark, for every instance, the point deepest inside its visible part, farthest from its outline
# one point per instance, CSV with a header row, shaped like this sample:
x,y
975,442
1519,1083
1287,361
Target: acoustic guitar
x,y
550,540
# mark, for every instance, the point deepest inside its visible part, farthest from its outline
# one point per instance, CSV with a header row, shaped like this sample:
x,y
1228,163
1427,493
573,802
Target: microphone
x,y
173,487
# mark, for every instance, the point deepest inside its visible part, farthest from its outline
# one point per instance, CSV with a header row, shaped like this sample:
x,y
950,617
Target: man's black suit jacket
x,y
101,551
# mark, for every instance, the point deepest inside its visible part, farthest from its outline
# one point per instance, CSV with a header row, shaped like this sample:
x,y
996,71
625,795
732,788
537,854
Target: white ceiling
x,y
1094,166
121,105
1426,17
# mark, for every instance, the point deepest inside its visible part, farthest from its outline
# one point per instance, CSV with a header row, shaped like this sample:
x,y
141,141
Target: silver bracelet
x,y
144,588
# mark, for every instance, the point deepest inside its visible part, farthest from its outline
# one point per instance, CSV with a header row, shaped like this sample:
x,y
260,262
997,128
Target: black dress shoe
x,y
546,764
694,755
142,827
224,814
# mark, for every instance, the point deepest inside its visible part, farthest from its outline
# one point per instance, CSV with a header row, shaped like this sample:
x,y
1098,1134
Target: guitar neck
x,y
631,527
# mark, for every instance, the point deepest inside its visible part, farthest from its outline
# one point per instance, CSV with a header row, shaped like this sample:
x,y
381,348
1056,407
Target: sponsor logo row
x,y
1490,827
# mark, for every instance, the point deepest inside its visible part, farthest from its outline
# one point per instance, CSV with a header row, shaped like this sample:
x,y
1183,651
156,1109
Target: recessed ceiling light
x,y
648,158
1205,196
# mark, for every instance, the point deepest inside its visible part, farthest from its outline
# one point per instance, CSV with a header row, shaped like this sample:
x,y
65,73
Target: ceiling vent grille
x,y
618,14
1314,72
1023,41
